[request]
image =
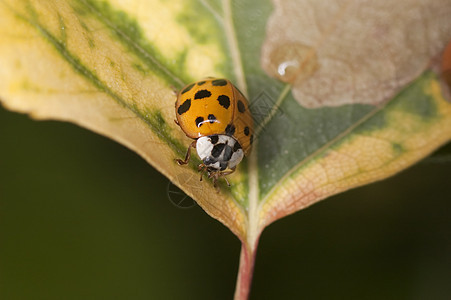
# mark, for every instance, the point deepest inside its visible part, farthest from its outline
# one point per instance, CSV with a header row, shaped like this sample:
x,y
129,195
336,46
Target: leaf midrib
x,y
253,188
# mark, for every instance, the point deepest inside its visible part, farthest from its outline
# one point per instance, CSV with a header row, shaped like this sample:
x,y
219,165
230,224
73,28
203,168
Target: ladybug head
x,y
219,152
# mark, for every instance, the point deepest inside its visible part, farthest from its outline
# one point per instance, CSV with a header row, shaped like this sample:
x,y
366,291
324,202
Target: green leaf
x,y
111,66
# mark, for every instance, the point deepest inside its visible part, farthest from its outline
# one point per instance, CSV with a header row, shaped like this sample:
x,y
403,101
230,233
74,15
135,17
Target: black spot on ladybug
x,y
246,130
214,139
184,107
212,118
241,107
224,101
230,129
188,88
227,153
201,94
252,138
219,82
217,150
199,121
200,82
236,147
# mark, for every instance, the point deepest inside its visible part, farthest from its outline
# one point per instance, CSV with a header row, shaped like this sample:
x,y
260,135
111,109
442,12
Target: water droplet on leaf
x,y
293,61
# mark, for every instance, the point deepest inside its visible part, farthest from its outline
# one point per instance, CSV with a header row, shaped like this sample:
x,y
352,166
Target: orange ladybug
x,y
216,115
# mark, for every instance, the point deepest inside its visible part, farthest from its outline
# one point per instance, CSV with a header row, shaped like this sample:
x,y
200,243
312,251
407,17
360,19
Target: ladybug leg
x,y
228,183
187,156
214,177
176,122
224,174
174,90
201,169
228,172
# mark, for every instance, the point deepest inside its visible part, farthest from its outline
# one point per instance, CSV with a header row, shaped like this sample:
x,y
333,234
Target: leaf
x,y
111,66
97,68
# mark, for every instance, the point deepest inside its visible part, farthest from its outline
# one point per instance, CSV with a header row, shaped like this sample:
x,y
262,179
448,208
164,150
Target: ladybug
x,y
216,115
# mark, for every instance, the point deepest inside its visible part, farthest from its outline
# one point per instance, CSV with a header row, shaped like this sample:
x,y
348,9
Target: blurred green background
x,y
82,217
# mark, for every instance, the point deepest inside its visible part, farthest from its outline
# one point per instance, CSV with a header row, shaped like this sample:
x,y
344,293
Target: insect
x,y
216,115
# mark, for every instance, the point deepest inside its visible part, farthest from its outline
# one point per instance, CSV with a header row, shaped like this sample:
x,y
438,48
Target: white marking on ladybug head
x,y
219,151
